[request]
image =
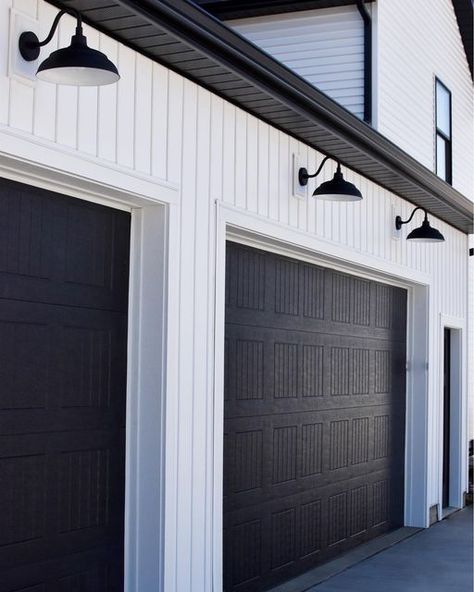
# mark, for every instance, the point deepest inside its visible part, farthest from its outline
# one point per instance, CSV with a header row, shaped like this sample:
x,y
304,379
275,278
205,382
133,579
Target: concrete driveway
x,y
438,559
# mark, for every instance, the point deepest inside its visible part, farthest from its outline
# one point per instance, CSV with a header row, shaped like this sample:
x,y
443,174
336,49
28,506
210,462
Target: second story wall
x,y
415,43
325,46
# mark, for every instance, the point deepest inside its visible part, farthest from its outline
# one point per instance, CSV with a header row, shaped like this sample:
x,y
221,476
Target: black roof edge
x,y
234,9
464,10
207,34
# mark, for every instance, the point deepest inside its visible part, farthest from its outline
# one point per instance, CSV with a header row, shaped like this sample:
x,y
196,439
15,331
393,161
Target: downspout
x,y
364,13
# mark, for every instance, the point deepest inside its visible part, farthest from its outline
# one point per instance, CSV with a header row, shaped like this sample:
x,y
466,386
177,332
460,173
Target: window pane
x,y
441,148
443,109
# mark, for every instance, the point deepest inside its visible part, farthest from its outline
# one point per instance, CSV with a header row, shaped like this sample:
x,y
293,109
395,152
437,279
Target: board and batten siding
x,y
416,42
158,126
325,46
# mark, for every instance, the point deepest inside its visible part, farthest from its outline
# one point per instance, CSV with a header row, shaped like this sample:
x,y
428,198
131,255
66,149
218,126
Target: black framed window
x,y
444,164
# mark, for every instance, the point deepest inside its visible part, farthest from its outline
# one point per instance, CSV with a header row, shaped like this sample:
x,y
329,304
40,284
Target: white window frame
x,y
439,133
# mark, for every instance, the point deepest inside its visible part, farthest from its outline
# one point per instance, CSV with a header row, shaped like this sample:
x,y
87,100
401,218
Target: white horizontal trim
x,y
241,220
28,159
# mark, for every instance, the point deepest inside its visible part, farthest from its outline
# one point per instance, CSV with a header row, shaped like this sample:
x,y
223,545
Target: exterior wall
x,y
418,41
326,47
471,339
158,129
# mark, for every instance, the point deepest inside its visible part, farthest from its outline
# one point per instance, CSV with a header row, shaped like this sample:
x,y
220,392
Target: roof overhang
x,y
464,10
187,39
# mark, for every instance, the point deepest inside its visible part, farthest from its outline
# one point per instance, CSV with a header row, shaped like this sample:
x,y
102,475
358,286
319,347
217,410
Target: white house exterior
x,y
195,170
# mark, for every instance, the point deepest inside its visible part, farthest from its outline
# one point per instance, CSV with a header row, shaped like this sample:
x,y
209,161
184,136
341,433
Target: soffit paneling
x,y
184,37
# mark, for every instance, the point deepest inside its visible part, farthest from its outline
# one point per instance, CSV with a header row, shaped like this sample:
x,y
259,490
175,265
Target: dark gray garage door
x,y
63,321
314,415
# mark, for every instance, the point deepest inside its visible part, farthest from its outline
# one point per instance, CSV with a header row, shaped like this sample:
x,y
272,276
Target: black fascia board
x,y
464,10
233,9
208,36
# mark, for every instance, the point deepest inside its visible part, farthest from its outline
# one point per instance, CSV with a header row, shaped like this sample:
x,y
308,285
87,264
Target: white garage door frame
x,y
458,469
150,355
239,226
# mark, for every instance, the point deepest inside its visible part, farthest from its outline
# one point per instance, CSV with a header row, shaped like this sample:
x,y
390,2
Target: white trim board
x,y
27,159
458,477
251,228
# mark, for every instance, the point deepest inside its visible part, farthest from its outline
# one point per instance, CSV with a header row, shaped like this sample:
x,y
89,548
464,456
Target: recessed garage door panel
x,y
63,336
314,415
62,250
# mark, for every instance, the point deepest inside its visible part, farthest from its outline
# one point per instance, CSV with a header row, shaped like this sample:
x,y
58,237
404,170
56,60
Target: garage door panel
x,y
377,484
245,408
291,534
50,420
69,502
96,570
247,318
276,455
275,291
314,415
87,347
61,250
292,368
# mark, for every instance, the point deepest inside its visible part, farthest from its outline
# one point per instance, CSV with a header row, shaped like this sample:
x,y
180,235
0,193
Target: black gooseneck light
x,y
77,64
335,190
424,233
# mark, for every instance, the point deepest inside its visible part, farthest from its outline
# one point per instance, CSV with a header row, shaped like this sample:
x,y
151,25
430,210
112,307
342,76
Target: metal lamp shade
x,y
338,190
78,65
425,234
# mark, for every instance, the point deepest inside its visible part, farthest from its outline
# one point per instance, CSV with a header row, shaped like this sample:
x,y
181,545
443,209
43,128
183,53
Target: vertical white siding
x,y
417,41
156,124
326,47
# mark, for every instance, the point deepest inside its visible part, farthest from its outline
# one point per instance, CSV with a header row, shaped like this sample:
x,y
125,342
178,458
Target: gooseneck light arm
x,y
303,174
399,222
29,44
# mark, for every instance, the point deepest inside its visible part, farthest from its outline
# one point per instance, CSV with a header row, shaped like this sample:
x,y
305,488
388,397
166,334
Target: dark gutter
x,y
364,13
199,46
235,9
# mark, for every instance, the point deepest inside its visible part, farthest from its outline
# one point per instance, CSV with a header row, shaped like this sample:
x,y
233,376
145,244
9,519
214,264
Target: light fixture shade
x,y
425,234
338,189
78,65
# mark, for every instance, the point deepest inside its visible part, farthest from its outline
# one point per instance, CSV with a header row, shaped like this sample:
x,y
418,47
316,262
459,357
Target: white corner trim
x,y
247,224
25,158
